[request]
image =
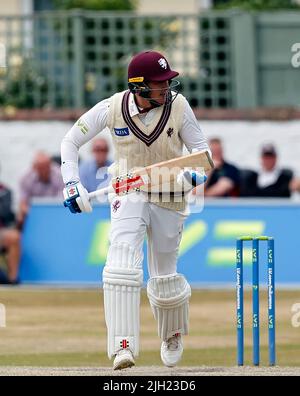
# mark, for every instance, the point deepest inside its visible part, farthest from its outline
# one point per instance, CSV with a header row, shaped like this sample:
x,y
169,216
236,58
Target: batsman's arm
x,y
84,129
193,137
191,133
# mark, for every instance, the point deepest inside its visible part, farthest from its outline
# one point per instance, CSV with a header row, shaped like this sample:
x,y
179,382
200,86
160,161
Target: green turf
x,y
288,356
66,328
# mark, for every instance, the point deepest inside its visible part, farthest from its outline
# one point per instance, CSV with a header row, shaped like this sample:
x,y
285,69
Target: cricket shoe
x,y
124,359
171,350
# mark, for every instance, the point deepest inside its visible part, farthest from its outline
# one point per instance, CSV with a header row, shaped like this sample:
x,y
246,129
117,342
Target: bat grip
x,y
102,191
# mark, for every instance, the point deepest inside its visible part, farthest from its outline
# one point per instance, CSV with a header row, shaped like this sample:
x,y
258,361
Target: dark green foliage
x,y
21,87
102,5
260,5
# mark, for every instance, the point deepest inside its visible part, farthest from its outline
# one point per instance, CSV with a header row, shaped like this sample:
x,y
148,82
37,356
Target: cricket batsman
x,y
149,123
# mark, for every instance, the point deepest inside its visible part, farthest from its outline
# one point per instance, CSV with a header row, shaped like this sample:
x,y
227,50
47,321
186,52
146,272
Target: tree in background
x,y
259,5
100,5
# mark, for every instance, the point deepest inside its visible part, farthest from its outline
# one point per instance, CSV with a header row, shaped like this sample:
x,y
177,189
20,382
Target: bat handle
x,y
102,191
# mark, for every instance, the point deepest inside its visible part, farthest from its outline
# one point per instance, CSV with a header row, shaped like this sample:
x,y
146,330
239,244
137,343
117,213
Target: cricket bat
x,y
153,177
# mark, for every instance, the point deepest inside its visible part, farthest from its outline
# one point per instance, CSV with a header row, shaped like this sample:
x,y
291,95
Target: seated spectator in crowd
x,y
93,172
224,179
42,180
10,244
271,180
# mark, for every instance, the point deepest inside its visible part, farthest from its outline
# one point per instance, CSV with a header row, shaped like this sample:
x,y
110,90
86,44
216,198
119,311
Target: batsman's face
x,y
160,91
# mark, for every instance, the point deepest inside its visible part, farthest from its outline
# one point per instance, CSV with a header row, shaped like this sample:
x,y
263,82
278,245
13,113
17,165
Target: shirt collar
x,y
132,107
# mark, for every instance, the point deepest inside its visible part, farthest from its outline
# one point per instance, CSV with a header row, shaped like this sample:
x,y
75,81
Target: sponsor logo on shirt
x,y
121,131
83,127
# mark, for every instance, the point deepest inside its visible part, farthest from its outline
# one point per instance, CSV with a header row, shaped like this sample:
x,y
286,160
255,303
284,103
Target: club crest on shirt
x,y
121,131
116,205
170,132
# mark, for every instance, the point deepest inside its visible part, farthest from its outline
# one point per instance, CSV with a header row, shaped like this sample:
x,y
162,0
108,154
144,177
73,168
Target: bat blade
x,y
200,159
159,177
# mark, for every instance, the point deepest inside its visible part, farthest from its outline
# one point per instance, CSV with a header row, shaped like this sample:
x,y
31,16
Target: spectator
x,y
90,175
42,180
224,180
271,180
10,244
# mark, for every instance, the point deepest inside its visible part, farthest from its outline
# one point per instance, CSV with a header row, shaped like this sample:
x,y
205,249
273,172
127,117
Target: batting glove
x,y
191,179
76,198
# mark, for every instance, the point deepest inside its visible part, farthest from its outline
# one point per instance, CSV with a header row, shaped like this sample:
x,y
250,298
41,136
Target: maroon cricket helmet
x,y
150,66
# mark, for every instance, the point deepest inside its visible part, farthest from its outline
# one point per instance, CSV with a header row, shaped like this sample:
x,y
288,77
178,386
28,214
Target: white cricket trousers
x,y
133,217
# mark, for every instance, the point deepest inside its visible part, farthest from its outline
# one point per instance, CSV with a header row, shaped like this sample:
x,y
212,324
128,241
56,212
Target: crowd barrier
x,y
62,248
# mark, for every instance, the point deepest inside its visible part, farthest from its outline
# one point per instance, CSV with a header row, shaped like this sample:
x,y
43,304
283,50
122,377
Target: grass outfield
x,y
66,328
